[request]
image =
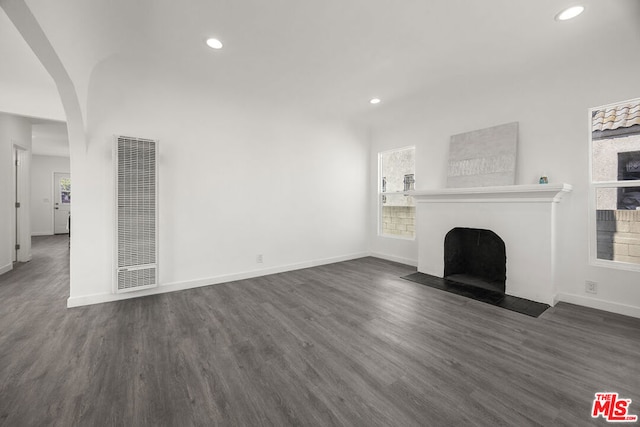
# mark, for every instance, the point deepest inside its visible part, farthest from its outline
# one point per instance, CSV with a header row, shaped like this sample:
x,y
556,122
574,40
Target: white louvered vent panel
x,y
129,279
136,200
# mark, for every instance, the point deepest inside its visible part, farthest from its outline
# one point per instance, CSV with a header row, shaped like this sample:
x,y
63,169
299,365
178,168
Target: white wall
x,y
551,106
235,181
42,196
14,130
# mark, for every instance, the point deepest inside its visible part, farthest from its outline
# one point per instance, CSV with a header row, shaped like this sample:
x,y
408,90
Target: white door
x,y
62,202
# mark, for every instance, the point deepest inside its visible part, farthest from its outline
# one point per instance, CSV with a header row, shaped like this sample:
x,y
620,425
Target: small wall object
x,y
544,179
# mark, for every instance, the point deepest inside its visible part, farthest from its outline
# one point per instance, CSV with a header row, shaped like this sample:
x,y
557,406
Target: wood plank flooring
x,y
342,344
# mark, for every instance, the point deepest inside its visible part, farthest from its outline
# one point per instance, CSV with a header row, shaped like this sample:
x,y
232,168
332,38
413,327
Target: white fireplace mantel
x,y
507,193
523,216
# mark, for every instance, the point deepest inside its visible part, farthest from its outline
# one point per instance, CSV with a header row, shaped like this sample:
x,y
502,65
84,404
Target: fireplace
x,y
475,257
525,217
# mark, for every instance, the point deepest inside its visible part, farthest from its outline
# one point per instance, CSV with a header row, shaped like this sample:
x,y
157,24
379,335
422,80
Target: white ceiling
x,y
325,57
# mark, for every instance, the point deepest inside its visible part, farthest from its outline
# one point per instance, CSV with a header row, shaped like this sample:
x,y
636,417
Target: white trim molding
x,y
216,280
535,193
393,258
613,307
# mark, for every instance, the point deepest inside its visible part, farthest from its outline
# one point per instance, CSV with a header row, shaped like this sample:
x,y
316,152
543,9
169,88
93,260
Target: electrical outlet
x,y
590,287
259,258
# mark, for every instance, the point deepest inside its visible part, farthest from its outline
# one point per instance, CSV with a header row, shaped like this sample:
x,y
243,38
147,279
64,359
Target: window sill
x,y
615,265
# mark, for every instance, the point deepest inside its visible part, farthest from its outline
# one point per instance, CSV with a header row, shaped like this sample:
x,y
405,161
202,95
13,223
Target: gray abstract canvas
x,y
483,158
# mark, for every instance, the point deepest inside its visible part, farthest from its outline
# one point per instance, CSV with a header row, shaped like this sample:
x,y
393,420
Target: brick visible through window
x,y
397,211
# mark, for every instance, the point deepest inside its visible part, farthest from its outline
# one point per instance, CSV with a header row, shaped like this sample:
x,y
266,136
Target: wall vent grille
x,y
136,214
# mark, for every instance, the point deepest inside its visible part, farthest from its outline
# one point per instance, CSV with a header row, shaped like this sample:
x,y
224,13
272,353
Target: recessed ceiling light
x,y
374,101
214,43
569,13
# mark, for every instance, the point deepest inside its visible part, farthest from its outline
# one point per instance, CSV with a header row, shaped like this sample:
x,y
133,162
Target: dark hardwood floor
x,y
342,344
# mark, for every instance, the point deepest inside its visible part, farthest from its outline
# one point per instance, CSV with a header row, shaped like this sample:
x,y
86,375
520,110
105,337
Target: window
x,y
615,185
397,212
65,190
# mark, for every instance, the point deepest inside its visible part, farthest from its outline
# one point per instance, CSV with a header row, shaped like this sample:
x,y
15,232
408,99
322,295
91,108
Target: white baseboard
x,y
406,261
6,268
189,284
613,307
41,233
78,301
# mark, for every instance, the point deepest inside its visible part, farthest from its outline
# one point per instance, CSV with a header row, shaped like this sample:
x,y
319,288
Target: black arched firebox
x,y
475,257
